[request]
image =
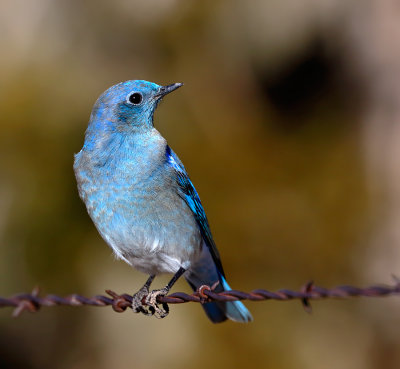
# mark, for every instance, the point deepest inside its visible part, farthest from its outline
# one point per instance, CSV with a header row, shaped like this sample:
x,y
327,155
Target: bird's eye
x,y
135,98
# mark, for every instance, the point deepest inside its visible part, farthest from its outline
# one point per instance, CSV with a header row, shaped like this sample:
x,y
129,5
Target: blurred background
x,y
288,124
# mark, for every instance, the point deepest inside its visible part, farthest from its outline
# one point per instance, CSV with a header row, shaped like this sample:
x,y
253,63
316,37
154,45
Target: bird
x,y
142,201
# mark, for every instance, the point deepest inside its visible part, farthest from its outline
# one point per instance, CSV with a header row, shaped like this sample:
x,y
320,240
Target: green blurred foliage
x,y
273,150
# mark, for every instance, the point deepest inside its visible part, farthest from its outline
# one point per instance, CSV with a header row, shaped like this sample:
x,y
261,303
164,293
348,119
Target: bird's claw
x,y
137,304
150,306
154,308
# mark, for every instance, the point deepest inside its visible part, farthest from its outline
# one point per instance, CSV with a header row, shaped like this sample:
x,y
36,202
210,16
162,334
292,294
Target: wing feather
x,y
189,194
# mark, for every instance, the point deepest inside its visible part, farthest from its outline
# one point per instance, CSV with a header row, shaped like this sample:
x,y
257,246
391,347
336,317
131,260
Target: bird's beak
x,y
164,90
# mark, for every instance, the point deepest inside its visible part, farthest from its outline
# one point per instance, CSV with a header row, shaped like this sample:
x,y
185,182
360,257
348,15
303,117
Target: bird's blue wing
x,y
192,199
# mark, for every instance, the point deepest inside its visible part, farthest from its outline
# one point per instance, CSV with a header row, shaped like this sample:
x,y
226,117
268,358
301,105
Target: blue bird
x,y
142,201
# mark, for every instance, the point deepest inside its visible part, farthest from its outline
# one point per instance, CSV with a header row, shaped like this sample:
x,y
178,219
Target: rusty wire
x,y
32,301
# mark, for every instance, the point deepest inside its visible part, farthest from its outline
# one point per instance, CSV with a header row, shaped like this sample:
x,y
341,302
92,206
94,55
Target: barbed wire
x,y
32,302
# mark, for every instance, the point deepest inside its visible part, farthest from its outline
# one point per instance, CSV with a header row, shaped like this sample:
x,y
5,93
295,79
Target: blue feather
x,y
208,269
192,199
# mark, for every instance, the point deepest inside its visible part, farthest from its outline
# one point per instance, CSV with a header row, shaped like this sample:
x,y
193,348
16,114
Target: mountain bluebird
x,y
142,202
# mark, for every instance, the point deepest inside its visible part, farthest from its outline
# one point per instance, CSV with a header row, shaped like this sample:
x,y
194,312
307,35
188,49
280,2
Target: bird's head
x,y
125,107
131,103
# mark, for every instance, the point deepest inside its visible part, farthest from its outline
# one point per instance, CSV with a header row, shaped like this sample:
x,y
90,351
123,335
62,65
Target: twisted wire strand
x,y
32,302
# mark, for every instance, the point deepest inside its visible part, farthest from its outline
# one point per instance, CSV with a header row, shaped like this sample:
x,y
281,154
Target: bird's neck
x,y
105,145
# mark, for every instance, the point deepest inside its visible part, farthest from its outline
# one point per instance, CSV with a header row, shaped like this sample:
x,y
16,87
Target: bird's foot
x,y
151,301
137,304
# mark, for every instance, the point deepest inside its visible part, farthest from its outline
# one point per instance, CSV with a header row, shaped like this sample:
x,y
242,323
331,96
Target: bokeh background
x,y
288,124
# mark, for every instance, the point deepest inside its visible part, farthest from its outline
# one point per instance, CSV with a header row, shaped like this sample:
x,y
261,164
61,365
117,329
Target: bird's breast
x,y
133,200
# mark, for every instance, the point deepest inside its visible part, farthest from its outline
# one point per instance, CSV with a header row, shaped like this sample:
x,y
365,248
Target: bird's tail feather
x,y
235,310
204,272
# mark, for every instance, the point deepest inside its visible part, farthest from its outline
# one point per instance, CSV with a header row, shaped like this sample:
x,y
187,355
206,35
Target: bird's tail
x,y
204,272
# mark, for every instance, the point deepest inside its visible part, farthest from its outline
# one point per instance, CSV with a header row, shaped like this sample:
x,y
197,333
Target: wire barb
x,y
32,302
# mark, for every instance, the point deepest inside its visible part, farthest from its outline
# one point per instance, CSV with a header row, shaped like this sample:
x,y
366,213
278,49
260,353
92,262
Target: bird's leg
x,y
137,305
151,298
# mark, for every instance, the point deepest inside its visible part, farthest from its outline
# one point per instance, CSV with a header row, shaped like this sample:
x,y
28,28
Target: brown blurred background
x,y
289,127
